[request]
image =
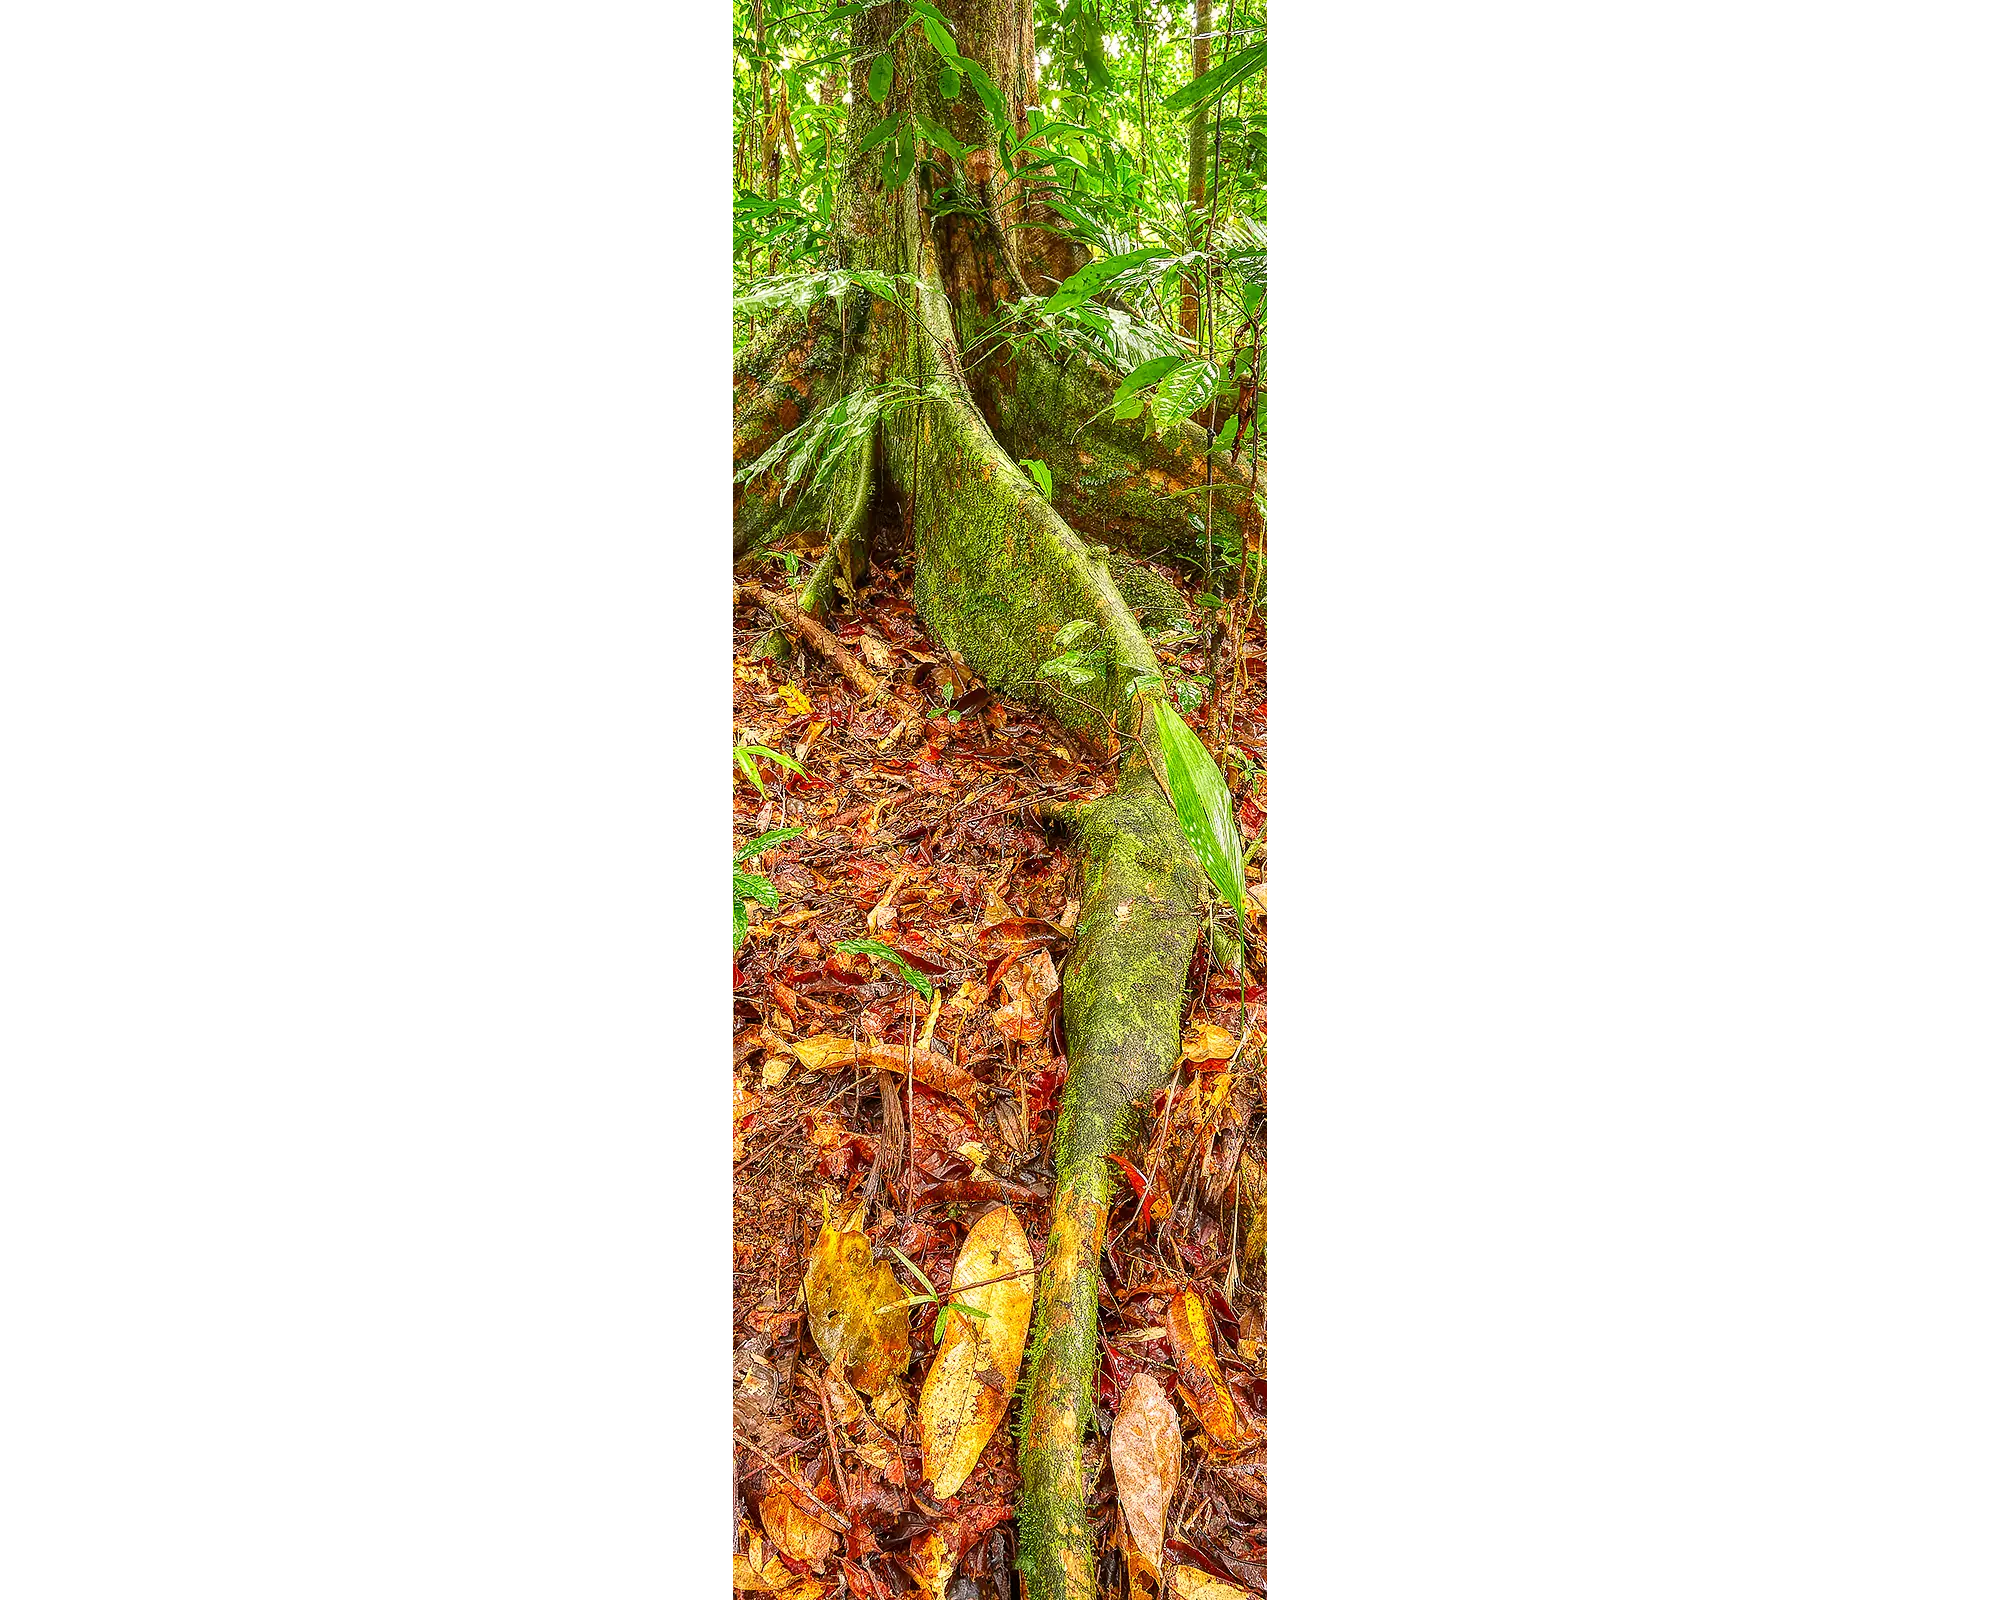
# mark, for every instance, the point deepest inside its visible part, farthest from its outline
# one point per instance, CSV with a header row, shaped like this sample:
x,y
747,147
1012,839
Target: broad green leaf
x,y
1182,393
939,137
889,957
950,80
764,841
1218,80
1201,802
882,131
739,923
1087,281
880,76
1147,372
939,35
1039,471
906,156
989,96
751,887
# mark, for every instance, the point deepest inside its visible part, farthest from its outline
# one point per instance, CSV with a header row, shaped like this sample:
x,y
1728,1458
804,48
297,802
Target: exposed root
x,y
790,616
1121,1015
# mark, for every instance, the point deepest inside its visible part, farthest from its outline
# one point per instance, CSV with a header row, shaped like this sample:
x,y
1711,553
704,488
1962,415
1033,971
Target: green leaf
x,y
1182,393
1218,80
950,80
778,756
944,1313
1070,632
751,887
750,769
1146,372
939,137
888,957
1087,281
905,157
988,92
739,924
938,34
1039,471
764,841
885,129
916,1271
880,76
1201,802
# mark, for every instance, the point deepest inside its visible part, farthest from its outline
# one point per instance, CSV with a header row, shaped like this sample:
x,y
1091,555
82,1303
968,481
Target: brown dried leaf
x,y
846,1287
1146,1461
933,1071
1029,983
970,1383
796,1533
1201,1385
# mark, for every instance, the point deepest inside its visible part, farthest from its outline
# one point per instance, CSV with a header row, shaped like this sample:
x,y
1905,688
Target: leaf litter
x,y
874,1125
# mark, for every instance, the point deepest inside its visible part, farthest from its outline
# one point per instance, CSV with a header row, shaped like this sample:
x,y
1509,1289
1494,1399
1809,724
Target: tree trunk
x,y
1197,171
1000,572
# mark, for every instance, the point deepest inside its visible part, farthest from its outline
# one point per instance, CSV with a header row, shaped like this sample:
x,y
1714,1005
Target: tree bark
x,y
1197,171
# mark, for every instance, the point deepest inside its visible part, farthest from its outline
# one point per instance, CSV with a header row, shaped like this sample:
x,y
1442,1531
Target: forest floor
x,y
929,845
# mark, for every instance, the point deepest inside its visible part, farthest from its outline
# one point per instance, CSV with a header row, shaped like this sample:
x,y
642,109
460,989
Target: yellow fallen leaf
x,y
1201,1385
806,1589
979,1357
1191,1583
1206,1042
775,1068
846,1291
892,1407
1146,1461
795,702
758,1570
931,1563
794,1532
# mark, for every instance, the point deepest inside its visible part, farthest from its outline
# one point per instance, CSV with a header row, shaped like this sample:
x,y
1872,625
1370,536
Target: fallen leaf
x,y
758,1569
846,1287
1201,1385
1029,983
794,1532
931,1563
979,1357
1259,897
892,1407
775,1068
1146,1461
1206,1042
876,653
933,1071
745,1103
795,701
1191,1583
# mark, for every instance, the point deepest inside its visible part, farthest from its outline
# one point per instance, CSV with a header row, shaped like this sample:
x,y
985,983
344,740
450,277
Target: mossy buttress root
x,y
1140,913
